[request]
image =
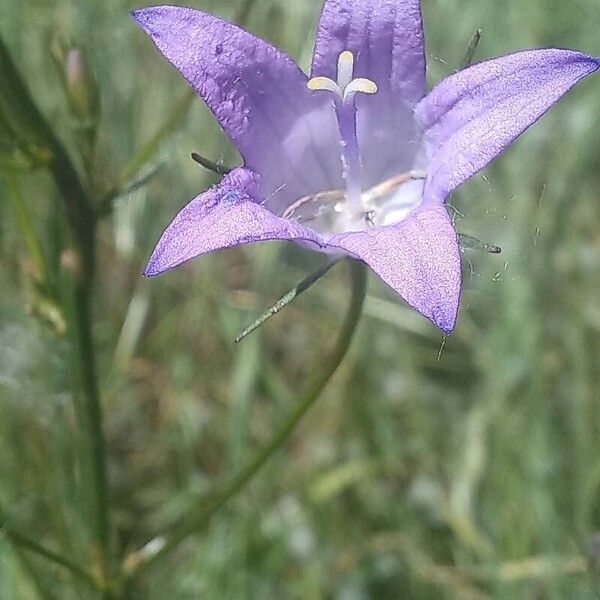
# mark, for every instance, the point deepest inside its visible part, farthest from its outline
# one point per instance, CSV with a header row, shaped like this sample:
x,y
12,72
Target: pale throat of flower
x,y
334,211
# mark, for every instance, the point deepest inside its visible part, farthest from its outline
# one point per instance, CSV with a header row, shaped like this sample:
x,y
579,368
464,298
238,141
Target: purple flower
x,y
356,160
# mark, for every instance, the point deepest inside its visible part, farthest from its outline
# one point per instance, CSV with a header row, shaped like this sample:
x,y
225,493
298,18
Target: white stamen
x,y
372,196
383,204
346,86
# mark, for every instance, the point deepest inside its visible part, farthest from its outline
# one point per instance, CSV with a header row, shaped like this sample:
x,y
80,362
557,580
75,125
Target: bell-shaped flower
x,y
356,159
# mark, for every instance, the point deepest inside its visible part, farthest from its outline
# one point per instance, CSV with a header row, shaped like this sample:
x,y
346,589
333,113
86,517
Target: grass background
x,y
469,473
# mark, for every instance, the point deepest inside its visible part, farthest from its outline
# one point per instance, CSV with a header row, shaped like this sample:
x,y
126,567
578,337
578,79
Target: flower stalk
x,y
198,518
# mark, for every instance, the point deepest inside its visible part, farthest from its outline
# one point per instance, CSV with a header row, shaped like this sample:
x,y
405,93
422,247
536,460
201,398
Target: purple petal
x,y
258,95
224,216
419,258
472,116
386,38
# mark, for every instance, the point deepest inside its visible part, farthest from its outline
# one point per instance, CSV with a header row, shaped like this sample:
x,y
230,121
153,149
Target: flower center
x,y
354,209
344,92
386,203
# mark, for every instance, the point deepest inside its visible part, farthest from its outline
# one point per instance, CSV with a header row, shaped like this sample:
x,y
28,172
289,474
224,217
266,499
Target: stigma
x,y
346,86
344,90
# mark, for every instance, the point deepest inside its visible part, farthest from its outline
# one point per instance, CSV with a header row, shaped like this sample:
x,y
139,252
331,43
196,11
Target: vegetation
x,y
461,468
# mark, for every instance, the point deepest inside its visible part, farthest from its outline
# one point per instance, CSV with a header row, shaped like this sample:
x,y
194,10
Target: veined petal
x,y
474,115
226,215
258,95
419,258
386,38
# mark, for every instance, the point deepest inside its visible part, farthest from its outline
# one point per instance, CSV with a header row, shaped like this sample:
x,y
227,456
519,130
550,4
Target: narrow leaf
x,y
286,299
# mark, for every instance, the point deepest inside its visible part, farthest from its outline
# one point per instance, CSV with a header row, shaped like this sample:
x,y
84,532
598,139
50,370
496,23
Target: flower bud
x,y
82,91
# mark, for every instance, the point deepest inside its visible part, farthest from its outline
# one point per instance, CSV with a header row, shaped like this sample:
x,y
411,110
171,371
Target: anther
x,y
376,193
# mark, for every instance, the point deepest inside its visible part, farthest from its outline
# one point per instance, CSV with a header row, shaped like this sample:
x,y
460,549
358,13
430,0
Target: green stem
x,y
197,519
17,105
90,417
26,542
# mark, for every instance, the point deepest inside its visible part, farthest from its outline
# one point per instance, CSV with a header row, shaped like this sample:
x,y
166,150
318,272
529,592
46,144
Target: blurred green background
x,y
470,471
